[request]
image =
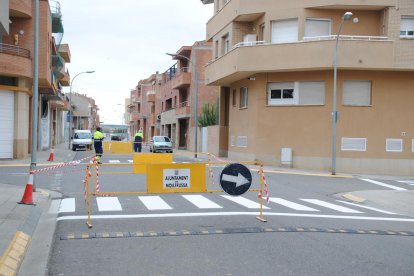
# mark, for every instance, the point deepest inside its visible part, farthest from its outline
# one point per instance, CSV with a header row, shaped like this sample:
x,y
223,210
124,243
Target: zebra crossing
x,y
199,202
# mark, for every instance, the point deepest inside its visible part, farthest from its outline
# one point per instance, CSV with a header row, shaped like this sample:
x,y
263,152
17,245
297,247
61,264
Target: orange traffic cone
x,y
28,192
52,154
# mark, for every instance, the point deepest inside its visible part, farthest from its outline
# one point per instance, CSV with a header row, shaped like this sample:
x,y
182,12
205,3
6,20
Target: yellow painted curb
x,y
354,198
12,258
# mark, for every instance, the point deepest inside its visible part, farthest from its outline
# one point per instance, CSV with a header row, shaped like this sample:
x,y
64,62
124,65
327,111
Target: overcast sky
x,y
125,41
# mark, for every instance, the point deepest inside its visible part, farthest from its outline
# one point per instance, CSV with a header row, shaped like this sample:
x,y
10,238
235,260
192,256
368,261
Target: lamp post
x,y
196,99
345,17
70,104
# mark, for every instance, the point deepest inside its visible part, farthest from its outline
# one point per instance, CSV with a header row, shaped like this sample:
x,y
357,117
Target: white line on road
x,y
108,204
154,203
201,202
367,207
332,206
245,202
67,205
409,182
292,205
384,185
210,214
114,161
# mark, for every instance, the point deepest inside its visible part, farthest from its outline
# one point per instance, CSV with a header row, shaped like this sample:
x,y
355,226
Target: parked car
x,y
82,139
161,144
115,137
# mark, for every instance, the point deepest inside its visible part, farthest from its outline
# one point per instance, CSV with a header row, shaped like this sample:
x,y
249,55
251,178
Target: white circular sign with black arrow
x,y
235,179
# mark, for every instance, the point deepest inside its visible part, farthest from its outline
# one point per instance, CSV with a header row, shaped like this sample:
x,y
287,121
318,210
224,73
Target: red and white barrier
x,y
28,192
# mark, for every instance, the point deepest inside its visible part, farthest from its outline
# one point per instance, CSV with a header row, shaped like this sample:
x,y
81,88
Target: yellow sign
x,y
141,160
176,178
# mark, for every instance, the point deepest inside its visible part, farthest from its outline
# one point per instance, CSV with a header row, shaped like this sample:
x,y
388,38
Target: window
x,y
353,144
216,49
285,31
243,97
225,44
393,145
356,93
412,145
234,97
296,93
407,27
317,27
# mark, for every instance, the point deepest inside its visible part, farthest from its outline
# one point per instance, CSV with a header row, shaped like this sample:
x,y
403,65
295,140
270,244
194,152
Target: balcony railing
x,y
14,50
346,37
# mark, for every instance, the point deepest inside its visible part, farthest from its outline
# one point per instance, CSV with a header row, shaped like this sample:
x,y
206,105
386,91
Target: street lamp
x,y
345,17
70,104
196,98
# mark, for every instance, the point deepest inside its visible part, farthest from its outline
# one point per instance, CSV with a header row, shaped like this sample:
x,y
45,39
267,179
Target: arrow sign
x,y
239,179
235,179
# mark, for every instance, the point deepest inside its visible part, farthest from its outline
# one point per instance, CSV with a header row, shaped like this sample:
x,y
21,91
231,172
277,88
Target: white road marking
x,y
245,202
67,205
108,204
54,206
154,203
114,161
130,161
384,185
210,214
331,206
409,182
367,207
292,205
201,201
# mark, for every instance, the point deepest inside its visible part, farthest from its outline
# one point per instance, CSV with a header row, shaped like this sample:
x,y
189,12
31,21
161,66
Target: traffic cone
x,y
52,154
28,192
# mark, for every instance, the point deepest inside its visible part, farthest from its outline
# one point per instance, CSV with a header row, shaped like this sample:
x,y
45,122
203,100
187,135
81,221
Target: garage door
x,y
6,123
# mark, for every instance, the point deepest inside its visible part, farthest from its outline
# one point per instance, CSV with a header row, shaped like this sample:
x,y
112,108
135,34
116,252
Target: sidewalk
x,y
27,228
26,231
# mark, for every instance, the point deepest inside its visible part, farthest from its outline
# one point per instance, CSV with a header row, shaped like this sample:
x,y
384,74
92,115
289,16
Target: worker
x,y
97,144
138,138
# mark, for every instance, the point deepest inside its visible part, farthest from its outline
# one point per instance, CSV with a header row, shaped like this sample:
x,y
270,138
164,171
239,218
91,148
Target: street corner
x,y
12,258
353,198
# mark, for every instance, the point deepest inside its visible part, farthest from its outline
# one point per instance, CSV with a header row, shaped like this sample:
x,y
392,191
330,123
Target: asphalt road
x,y
310,230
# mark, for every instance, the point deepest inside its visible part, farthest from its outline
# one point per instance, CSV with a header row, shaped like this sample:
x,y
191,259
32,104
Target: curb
x,y
354,198
13,256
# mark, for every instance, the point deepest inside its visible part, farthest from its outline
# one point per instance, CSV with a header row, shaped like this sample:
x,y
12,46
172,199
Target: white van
x,y
82,139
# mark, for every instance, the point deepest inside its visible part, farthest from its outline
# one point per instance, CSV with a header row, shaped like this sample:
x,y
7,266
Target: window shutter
x,y
317,27
357,93
285,31
311,93
407,24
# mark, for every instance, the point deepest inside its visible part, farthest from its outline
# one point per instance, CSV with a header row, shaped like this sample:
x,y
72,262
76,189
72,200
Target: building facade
x,y
274,61
164,103
16,76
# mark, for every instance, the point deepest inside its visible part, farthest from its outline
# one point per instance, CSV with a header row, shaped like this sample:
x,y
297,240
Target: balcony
x,y
15,61
65,80
151,96
251,11
20,8
311,54
182,80
183,110
135,116
57,26
64,52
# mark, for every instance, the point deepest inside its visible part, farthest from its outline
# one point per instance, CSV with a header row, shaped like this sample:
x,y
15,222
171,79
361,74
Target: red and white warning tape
x,y
72,163
266,190
97,187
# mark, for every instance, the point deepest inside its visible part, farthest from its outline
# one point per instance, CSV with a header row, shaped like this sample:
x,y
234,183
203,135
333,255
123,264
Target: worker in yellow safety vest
x,y
138,138
97,144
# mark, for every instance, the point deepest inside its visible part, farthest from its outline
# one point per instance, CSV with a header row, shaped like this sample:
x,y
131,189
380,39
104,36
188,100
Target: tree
x,y
209,116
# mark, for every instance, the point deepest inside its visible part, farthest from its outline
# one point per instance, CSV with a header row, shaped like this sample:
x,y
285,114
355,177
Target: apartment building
x,y
164,103
275,60
85,112
16,76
